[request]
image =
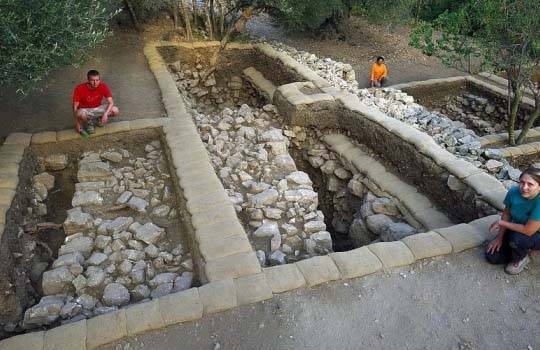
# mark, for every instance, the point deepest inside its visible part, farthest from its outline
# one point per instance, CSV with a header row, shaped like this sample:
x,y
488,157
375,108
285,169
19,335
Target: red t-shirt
x,y
90,98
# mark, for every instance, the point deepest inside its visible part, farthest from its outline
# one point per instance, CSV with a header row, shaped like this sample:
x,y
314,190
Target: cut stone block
x,y
44,137
18,138
30,341
181,307
283,278
112,128
462,237
8,169
211,216
106,328
67,135
252,289
146,123
427,244
482,225
220,230
6,196
218,248
143,317
218,296
232,266
9,182
318,269
205,202
356,263
67,337
392,254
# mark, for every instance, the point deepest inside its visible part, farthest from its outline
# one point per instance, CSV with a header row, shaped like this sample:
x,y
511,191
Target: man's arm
x,y
385,73
75,108
109,106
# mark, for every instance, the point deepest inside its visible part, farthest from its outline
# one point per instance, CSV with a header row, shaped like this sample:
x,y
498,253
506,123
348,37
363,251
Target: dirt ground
x,y
455,302
365,42
122,65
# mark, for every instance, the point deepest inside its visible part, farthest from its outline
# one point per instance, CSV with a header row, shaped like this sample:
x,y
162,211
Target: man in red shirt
x,y
92,100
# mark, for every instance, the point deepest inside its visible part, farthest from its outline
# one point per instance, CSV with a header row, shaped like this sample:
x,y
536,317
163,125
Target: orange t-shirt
x,y
378,71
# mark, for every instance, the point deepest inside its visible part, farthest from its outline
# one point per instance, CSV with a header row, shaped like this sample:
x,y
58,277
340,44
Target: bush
x,y
40,35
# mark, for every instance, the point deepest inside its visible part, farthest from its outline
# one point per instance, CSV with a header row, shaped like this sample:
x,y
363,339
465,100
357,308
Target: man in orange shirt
x,y
379,73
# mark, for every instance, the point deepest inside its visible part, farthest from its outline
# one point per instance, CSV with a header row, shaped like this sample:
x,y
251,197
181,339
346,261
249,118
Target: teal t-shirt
x,y
522,209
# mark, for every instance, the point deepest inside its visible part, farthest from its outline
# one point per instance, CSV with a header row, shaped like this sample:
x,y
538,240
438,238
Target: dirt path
x,y
365,42
457,302
122,64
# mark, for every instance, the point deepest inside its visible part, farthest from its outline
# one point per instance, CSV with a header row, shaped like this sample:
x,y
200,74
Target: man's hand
x,y
104,118
495,245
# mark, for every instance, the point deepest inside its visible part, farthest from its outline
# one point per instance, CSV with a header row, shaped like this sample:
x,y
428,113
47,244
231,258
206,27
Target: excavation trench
x,y
96,225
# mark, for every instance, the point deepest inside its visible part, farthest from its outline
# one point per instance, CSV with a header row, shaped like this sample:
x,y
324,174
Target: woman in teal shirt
x,y
519,224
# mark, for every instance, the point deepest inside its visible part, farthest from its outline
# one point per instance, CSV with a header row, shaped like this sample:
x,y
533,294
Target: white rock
x,y
138,204
166,277
148,233
299,178
56,281
267,230
96,259
183,282
124,197
115,294
314,226
86,198
267,197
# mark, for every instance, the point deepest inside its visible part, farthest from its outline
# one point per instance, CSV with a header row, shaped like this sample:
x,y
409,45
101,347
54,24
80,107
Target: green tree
x,y
40,35
503,35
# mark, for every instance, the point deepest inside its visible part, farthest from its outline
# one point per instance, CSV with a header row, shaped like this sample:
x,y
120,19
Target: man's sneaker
x,y
518,266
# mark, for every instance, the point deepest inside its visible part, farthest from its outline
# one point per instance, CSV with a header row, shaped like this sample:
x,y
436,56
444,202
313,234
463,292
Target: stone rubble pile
x,y
359,210
210,94
109,260
275,201
454,136
477,112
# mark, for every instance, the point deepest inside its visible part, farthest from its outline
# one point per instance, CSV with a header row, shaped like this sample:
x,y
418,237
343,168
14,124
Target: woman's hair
x,y
380,58
532,172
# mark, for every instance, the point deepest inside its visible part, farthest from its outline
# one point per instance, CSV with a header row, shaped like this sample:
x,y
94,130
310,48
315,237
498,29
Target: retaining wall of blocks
x,y
231,274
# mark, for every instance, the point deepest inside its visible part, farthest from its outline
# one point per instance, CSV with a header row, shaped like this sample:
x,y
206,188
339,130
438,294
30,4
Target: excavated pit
x,y
41,226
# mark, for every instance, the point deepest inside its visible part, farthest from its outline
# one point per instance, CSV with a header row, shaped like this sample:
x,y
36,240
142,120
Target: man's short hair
x,y
92,73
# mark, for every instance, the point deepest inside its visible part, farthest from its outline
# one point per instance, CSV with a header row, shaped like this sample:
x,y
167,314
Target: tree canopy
x,y
40,35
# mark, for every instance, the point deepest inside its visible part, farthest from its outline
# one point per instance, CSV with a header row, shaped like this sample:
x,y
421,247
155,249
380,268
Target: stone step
x,y
418,205
265,86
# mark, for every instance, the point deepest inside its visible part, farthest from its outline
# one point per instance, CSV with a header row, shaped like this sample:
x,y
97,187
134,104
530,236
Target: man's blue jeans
x,y
514,247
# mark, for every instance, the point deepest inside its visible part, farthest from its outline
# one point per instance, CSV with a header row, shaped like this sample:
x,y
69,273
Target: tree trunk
x,y
133,16
532,118
194,13
512,116
185,14
208,19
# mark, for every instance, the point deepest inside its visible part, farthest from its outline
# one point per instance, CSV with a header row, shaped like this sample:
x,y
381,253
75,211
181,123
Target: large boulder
x,y
83,244
396,230
115,294
148,233
45,312
267,197
77,221
57,281
94,171
376,223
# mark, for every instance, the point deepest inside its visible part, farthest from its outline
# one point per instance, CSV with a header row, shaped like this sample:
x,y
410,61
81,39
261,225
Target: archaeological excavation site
x,y
272,171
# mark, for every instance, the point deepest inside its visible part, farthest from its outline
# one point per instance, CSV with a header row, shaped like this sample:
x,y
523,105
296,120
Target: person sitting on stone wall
x,y
519,224
379,73
92,101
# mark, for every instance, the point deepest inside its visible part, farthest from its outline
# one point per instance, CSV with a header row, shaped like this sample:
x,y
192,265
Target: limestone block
x,y
3,212
219,248
339,143
356,263
143,317
252,289
220,230
232,266
67,135
218,296
283,278
6,197
181,158
10,157
495,198
44,137
18,138
431,218
427,244
67,337
181,307
201,203
8,169
194,170
462,237
106,328
2,227
392,254
318,269
207,184
30,341
460,168
9,182
213,215
146,123
112,128
484,183
482,225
